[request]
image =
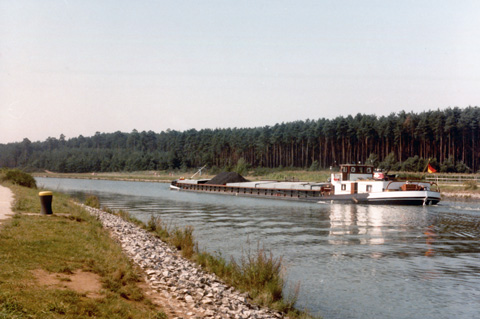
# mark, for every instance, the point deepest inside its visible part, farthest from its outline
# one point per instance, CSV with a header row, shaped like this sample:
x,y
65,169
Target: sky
x,y
75,67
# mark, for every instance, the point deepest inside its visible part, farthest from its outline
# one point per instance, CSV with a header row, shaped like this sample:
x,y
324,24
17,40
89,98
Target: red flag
x,y
431,169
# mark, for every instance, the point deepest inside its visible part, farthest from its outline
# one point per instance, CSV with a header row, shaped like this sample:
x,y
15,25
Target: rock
x,y
207,301
209,312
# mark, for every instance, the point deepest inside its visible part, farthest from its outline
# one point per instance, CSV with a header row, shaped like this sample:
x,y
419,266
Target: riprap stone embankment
x,y
182,283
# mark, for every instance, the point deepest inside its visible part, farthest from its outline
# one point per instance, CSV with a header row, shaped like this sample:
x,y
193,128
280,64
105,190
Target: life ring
x,y
352,169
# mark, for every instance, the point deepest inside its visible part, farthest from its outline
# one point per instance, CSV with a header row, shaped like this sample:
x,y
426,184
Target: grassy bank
x,y
143,176
42,256
257,273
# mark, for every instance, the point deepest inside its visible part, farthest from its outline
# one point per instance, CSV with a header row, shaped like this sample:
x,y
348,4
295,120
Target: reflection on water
x,y
362,224
352,261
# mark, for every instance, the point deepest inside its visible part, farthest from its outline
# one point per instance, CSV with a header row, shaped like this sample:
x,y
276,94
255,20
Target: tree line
x,y
449,138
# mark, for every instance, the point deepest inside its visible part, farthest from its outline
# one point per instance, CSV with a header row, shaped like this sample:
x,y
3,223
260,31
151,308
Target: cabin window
x,y
369,188
352,169
344,187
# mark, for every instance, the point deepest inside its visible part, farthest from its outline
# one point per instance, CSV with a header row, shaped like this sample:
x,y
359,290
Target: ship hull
x,y
381,198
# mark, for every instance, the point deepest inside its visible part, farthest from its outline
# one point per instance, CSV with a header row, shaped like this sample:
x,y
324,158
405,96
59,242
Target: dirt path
x,y
6,198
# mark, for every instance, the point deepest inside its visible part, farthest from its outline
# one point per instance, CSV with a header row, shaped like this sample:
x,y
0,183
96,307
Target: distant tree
x,y
448,166
413,164
372,160
389,163
241,167
315,166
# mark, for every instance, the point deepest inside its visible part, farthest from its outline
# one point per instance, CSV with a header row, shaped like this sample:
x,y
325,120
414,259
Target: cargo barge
x,y
355,183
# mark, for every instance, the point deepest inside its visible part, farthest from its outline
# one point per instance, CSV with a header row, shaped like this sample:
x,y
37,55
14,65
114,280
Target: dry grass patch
x,y
83,282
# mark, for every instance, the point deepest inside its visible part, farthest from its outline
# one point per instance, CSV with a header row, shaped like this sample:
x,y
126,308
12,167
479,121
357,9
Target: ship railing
x,y
413,186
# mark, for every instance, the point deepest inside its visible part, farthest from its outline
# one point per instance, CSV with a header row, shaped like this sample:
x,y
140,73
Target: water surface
x,y
352,261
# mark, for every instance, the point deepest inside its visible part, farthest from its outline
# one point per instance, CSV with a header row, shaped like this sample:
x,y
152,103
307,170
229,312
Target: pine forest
x,y
449,139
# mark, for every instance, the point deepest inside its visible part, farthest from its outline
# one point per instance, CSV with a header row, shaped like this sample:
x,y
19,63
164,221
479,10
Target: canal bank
x,y
174,283
180,282
461,195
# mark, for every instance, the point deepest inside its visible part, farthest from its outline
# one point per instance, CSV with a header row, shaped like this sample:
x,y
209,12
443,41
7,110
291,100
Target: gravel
x,y
201,294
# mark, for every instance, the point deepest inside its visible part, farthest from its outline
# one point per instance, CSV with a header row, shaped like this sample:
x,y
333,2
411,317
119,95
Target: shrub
x,y
19,177
92,201
260,273
183,240
156,226
152,224
215,263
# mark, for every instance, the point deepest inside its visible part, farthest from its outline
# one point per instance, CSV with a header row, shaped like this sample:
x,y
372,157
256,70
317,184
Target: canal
x,y
351,261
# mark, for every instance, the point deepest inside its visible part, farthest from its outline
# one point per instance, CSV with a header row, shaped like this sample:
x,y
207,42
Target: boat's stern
x,y
419,197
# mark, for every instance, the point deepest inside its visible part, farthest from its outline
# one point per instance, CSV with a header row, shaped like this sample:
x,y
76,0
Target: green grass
x,y
61,243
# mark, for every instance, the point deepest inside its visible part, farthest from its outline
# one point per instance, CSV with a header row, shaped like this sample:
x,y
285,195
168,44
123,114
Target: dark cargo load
x,y
227,177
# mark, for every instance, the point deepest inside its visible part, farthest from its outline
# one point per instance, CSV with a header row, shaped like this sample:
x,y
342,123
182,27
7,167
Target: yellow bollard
x,y
46,202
